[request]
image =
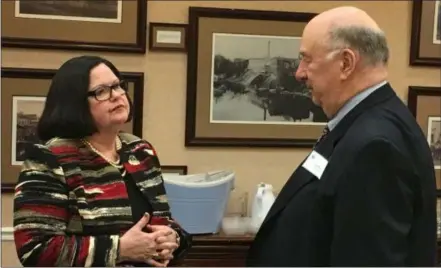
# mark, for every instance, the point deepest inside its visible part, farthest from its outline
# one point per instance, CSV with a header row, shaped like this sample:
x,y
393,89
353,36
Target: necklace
x,y
113,163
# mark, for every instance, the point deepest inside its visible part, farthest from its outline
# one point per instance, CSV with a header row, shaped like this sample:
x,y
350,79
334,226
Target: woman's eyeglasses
x,y
102,93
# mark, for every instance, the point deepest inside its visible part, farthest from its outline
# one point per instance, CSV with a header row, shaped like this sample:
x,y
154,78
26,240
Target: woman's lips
x,y
117,108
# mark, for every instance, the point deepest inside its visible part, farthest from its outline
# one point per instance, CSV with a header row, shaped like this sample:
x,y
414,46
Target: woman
x,y
92,195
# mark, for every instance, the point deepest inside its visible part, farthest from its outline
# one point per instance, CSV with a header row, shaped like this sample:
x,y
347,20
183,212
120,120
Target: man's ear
x,y
349,60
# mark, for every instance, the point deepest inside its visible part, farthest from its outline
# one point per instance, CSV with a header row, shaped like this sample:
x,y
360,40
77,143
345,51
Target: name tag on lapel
x,y
316,164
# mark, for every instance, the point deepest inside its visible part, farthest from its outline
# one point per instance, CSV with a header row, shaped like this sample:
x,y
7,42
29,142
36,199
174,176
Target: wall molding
x,y
7,234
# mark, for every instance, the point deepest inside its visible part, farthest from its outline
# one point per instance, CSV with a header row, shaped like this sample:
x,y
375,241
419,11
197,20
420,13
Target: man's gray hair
x,y
370,43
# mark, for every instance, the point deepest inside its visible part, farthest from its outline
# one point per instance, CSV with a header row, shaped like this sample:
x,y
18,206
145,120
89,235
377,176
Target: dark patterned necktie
x,y
323,136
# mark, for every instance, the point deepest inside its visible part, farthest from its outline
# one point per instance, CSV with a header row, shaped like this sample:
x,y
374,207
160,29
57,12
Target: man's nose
x,y
300,74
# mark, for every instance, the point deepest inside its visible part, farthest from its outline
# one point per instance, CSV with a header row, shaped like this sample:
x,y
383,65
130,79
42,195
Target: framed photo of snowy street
x,y
23,96
425,104
425,46
241,85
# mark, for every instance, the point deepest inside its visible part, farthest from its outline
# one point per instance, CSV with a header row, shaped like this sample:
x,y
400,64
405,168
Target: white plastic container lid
x,y
208,179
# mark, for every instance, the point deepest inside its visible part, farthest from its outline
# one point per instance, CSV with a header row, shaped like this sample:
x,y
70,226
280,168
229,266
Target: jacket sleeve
x,y
41,217
185,239
373,209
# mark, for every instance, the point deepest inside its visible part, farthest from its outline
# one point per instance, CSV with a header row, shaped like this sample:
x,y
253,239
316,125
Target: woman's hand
x,y
139,246
166,244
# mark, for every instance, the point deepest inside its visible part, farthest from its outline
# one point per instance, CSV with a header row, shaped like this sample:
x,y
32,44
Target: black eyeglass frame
x,y
124,85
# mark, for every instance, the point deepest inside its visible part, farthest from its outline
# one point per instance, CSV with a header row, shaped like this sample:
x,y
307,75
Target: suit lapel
x,y
139,167
301,176
298,179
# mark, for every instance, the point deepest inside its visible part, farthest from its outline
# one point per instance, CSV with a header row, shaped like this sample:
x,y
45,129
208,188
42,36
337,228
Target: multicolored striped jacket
x,y
70,209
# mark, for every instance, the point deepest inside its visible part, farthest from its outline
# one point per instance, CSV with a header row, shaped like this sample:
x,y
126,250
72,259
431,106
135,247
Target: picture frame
x,y
434,138
22,96
425,46
168,37
175,169
75,25
424,103
438,216
208,78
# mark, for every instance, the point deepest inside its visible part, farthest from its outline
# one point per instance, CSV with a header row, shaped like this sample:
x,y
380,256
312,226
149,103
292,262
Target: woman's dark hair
x,y
66,113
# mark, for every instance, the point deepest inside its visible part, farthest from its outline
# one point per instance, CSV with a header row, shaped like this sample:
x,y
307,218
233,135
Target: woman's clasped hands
x,y
155,247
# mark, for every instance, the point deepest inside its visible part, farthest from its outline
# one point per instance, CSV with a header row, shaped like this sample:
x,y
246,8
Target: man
x,y
366,194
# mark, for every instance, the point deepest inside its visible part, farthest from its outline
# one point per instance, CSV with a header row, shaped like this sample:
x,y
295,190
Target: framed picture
x,y
26,111
23,96
105,25
425,46
181,170
438,217
434,139
167,37
425,105
241,85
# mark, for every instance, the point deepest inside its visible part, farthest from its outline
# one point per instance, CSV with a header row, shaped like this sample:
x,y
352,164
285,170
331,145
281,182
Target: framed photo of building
x,y
241,85
26,111
23,96
425,47
425,105
104,25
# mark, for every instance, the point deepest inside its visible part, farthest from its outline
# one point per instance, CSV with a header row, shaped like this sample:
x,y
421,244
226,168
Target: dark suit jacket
x,y
374,205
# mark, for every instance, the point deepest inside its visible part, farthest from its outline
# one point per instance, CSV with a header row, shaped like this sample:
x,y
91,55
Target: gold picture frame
x,y
22,96
110,25
236,78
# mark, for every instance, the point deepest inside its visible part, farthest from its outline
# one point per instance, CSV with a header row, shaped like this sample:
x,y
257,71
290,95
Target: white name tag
x,y
316,164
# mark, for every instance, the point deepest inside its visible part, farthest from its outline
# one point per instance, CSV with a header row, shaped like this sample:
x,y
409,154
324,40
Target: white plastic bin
x,y
198,201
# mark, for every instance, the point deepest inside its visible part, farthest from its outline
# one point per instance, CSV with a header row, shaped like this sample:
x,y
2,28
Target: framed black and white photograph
x,y
258,86
23,95
109,11
434,139
425,104
81,25
26,112
425,43
241,85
